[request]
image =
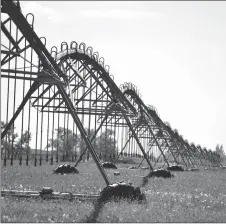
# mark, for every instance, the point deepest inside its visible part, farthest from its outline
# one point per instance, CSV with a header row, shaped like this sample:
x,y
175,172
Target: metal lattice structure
x,y
70,87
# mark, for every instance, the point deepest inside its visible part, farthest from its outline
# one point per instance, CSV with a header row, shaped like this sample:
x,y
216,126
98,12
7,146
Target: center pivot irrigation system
x,y
70,88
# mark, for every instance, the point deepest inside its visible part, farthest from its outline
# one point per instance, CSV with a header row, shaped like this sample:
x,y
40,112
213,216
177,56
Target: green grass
x,y
88,180
189,197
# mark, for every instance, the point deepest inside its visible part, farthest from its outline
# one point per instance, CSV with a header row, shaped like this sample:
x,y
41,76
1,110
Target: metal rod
x,y
82,131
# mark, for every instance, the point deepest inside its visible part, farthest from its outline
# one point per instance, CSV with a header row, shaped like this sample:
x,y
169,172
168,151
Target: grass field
x,y
189,197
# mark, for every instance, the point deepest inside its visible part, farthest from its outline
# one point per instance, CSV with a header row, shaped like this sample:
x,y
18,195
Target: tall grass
x,y
189,197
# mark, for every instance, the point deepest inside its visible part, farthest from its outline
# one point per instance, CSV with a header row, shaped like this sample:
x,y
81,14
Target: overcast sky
x,y
174,52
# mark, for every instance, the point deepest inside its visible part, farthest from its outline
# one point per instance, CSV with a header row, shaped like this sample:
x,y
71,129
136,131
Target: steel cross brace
x,y
32,89
184,153
76,119
188,151
93,137
127,143
44,91
161,124
147,152
165,159
177,145
159,147
171,135
169,148
133,133
195,153
181,144
178,153
137,139
47,61
205,154
159,121
144,110
22,24
8,35
140,102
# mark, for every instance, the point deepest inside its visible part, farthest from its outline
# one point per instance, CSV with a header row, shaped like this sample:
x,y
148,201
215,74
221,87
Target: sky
x,y
174,52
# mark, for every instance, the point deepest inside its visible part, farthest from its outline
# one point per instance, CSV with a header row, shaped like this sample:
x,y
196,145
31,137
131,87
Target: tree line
x,y
66,143
220,151
13,145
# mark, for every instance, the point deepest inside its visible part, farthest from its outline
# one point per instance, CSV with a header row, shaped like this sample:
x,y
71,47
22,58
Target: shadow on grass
x,y
98,206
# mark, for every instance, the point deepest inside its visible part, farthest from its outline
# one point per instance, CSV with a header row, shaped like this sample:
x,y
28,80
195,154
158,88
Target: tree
x,y
22,145
14,147
8,143
220,151
82,145
103,144
66,142
106,144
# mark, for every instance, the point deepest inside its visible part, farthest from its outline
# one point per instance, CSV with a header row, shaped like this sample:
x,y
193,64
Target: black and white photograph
x,y
113,111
